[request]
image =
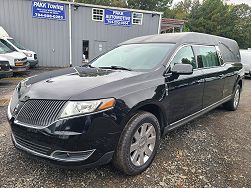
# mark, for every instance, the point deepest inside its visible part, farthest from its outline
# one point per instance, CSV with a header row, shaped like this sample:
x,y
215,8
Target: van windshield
x,y
4,49
141,57
19,46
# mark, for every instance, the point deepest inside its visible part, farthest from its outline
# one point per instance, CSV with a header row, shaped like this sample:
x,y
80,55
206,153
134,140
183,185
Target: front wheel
x,y
138,144
234,102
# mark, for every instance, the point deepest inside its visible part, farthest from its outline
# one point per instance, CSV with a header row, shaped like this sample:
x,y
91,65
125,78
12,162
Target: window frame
x,y
217,52
99,9
141,19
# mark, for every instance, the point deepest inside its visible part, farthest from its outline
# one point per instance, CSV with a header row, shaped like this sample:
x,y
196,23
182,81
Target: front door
x,y
184,92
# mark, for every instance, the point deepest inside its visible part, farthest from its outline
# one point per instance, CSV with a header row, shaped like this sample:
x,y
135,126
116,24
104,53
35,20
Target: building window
x,y
137,18
97,14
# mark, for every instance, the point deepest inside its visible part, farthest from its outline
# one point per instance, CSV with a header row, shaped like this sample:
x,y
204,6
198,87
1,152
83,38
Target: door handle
x,y
221,76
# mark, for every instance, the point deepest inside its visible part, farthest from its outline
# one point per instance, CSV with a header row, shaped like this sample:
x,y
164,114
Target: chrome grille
x,y
40,112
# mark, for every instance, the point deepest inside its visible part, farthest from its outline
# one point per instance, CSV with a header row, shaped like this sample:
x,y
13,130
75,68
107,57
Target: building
x,y
171,25
65,33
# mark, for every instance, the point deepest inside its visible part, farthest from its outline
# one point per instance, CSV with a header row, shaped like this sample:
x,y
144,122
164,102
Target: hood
x,y
74,83
15,55
2,58
27,51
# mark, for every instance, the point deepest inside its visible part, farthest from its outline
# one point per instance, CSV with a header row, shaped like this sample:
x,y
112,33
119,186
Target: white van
x,y
9,41
17,60
246,61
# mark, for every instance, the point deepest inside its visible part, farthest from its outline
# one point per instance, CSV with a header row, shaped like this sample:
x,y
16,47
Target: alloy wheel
x,y
236,98
143,143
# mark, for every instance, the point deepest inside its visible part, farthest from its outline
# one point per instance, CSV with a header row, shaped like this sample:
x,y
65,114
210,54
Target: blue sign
x,y
48,10
118,17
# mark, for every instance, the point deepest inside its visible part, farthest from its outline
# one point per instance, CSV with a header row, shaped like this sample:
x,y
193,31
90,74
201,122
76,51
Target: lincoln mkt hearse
x,y
116,108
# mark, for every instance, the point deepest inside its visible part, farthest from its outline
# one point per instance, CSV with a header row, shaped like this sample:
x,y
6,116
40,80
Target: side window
x,y
186,56
207,56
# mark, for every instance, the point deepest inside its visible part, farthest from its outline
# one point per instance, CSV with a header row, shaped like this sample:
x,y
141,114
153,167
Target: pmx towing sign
x,y
118,18
48,10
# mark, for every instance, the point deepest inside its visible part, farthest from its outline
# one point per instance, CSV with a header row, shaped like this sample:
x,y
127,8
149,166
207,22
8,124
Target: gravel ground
x,y
212,151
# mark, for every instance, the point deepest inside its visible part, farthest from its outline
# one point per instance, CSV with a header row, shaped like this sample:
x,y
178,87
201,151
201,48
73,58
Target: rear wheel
x,y
234,102
138,144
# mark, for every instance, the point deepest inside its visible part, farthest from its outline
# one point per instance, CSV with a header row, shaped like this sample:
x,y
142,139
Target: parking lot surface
x,y
211,151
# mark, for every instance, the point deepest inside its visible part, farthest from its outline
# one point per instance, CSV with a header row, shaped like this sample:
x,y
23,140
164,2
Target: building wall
x,y
50,38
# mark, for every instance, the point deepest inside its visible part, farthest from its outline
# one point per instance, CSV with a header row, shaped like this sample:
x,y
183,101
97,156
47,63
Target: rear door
x,y
184,92
214,74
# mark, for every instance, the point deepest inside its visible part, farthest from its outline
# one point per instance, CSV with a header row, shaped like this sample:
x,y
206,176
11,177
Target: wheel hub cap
x,y
142,144
236,98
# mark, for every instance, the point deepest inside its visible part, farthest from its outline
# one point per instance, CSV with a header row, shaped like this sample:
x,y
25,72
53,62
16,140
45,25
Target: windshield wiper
x,y
116,68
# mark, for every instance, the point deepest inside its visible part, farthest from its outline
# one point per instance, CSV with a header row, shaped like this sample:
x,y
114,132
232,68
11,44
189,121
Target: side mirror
x,y
182,69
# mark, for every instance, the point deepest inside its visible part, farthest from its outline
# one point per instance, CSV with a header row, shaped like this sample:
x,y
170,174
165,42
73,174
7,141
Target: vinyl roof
x,y
229,48
181,38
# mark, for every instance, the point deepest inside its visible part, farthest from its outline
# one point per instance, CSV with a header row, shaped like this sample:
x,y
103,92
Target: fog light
x,y
72,155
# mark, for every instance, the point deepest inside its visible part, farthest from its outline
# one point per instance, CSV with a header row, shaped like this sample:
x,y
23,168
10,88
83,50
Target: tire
x,y
233,104
136,150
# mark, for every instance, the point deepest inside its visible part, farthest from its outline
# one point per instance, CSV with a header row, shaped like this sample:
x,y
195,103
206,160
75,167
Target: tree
x,y
215,17
115,3
154,5
179,11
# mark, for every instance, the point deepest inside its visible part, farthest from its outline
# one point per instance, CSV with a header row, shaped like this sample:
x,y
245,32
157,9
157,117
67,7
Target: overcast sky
x,y
233,1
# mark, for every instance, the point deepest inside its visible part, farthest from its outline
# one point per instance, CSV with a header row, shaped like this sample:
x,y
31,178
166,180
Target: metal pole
x,y
160,20
70,33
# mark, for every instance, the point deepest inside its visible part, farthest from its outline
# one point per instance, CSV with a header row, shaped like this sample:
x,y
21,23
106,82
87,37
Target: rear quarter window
x,y
207,56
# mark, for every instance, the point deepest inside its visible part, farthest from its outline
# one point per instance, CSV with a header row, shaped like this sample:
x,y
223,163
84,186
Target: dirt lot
x,y
212,151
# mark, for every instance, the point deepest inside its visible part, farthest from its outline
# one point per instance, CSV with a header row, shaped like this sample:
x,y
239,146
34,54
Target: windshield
x,y
19,46
4,49
134,56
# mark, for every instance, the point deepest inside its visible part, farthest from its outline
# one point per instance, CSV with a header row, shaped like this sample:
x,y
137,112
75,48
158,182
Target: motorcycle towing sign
x,y
48,10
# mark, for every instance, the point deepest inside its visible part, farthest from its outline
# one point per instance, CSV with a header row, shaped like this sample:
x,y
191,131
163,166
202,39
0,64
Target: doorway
x,y
85,52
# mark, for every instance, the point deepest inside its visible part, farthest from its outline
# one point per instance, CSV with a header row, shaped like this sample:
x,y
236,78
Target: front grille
x,y
24,59
4,66
40,112
31,145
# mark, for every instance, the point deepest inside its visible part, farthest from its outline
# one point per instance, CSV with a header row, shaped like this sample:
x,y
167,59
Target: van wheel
x,y
138,144
233,104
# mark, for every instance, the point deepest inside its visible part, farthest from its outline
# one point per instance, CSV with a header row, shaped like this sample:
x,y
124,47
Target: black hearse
x,y
117,107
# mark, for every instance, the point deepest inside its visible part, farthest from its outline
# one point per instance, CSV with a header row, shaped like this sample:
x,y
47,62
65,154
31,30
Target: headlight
x,y
28,54
9,110
73,108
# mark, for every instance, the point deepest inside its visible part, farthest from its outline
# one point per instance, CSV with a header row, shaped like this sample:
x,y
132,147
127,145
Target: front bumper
x,y
6,74
89,140
33,63
17,69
